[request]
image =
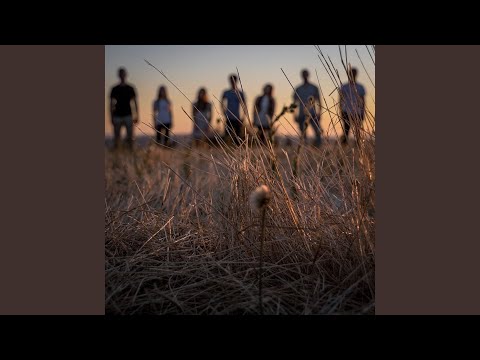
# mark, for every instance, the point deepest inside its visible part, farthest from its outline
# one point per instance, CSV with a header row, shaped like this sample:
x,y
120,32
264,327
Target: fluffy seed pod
x,y
260,197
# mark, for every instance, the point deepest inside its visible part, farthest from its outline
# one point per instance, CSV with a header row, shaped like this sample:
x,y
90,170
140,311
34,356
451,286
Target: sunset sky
x,y
190,67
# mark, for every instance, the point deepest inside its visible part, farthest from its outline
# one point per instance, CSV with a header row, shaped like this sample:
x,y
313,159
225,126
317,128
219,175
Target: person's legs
x,y
230,133
358,124
268,134
117,128
167,135
259,132
346,127
263,134
163,135
355,125
238,131
318,132
158,132
128,121
302,126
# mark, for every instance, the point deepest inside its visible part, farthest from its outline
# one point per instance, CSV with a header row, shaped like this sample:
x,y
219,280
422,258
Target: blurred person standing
x,y
202,116
307,99
233,99
121,97
352,104
263,112
162,115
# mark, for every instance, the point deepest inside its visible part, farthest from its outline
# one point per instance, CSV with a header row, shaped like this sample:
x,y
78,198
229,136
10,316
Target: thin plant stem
x,y
260,267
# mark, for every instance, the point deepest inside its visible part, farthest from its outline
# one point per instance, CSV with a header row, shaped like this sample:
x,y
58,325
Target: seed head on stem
x,y
259,198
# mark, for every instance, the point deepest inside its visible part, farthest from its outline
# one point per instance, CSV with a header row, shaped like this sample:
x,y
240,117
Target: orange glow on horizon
x,y
211,70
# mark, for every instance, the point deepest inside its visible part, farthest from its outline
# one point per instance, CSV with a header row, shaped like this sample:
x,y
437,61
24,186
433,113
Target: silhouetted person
x,y
121,97
202,116
263,111
162,115
352,103
233,97
306,97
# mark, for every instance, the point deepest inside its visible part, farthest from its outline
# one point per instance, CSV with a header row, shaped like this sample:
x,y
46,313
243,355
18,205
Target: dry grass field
x,y
182,238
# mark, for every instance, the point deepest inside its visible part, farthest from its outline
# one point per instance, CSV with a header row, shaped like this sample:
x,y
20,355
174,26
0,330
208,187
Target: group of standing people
x,y
306,97
233,100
